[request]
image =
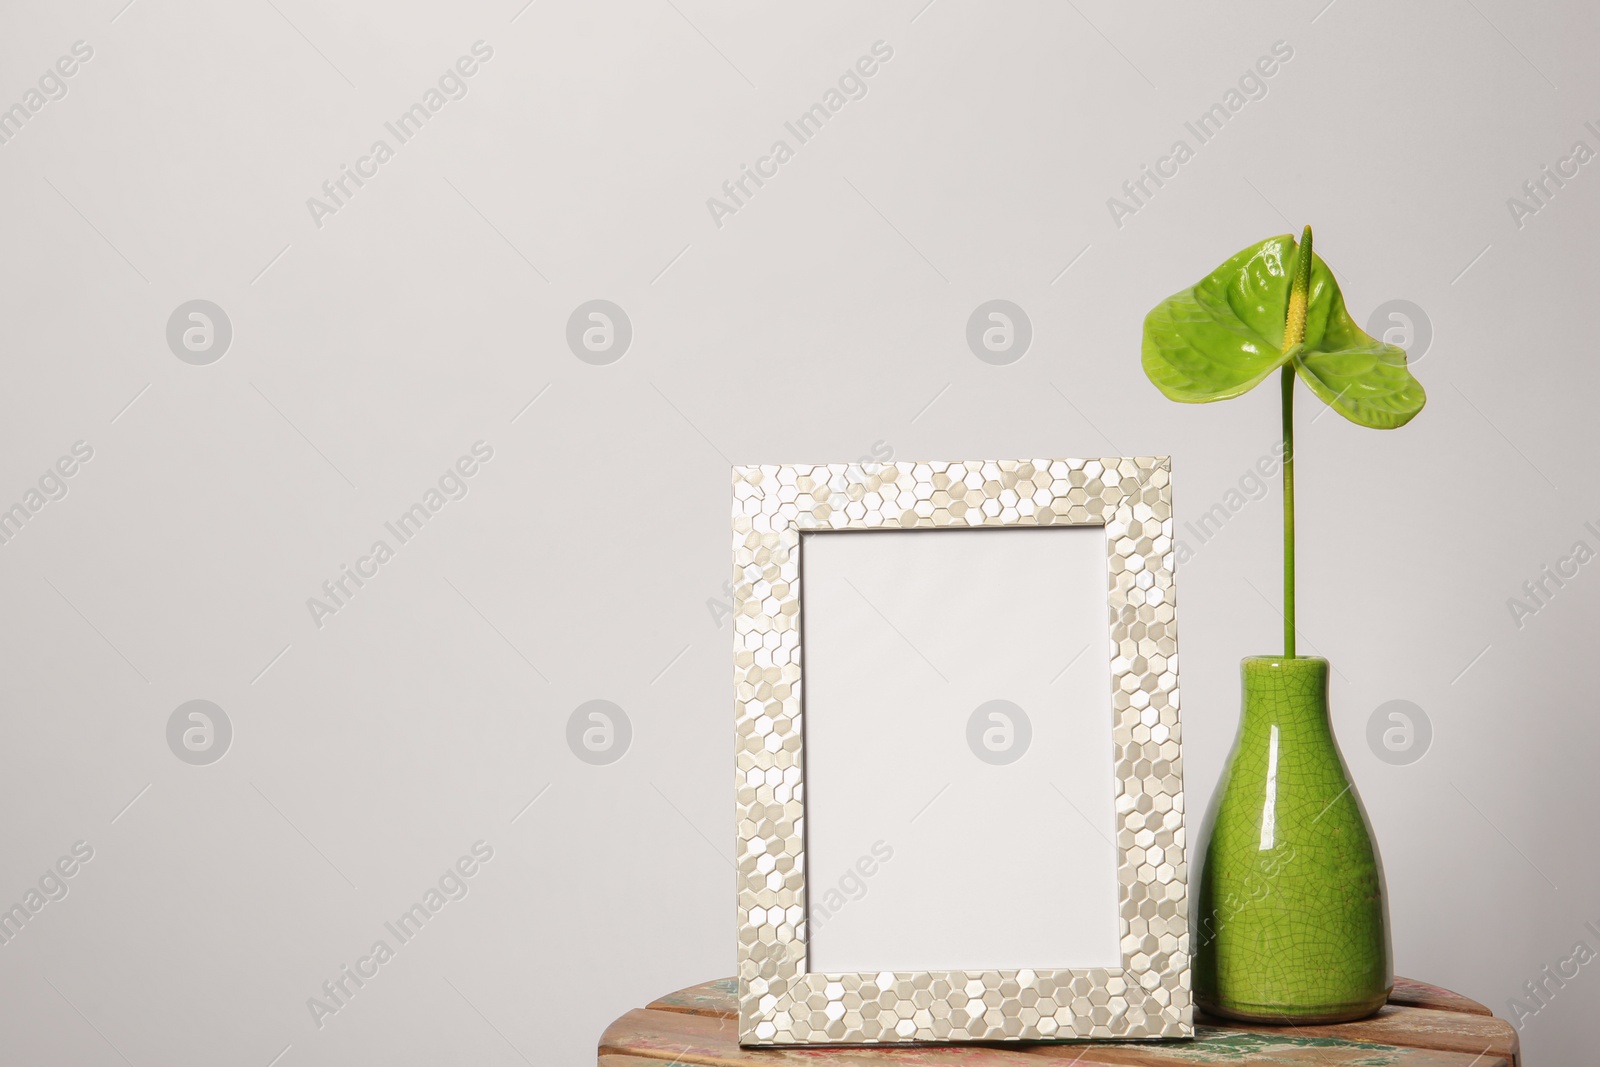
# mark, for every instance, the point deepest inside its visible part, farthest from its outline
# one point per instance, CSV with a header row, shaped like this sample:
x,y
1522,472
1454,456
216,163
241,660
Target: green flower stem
x,y
1294,335
1288,511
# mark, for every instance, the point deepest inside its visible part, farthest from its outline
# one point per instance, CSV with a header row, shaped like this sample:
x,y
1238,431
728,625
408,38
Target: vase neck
x,y
1290,694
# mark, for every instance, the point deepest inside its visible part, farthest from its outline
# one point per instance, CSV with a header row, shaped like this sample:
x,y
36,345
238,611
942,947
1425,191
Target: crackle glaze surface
x,y
780,1001
1291,919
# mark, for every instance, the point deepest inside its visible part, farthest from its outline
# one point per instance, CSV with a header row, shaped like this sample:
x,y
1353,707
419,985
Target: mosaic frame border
x,y
780,1002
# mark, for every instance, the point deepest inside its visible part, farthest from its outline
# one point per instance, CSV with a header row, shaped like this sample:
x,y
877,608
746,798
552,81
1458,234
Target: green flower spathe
x,y
1222,337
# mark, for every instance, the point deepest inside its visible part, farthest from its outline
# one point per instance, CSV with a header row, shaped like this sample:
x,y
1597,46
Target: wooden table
x,y
1422,1026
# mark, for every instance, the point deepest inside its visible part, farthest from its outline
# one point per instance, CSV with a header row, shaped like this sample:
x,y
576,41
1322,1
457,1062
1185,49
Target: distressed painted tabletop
x,y
1422,1026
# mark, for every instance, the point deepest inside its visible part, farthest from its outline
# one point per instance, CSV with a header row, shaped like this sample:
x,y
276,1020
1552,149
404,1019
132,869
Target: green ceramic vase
x,y
1291,917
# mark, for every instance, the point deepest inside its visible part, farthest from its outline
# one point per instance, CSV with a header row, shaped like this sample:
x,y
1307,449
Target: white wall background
x,y
825,318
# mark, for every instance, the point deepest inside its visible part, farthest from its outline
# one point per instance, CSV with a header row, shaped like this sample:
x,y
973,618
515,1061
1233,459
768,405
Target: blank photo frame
x,y
989,732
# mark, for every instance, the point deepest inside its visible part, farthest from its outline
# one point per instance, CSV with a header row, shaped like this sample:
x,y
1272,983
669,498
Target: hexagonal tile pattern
x,y
780,1001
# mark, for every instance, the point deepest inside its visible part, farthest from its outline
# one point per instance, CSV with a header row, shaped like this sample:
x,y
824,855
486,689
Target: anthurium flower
x,y
1225,335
